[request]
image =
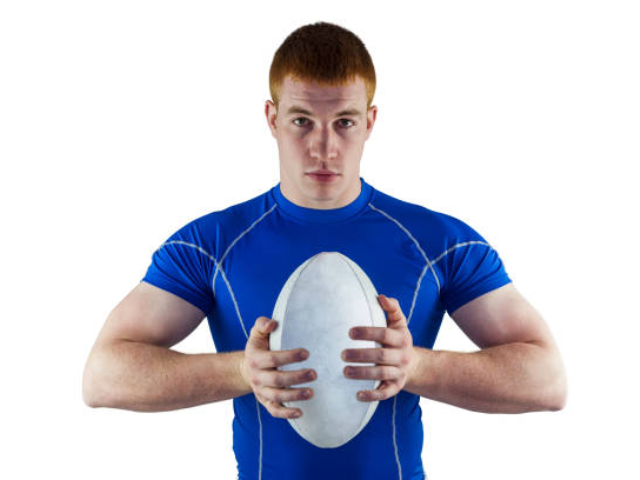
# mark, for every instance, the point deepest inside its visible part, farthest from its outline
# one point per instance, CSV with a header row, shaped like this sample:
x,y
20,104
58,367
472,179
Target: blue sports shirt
x,y
232,264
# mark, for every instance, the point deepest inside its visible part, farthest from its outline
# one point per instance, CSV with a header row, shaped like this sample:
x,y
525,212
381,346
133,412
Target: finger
x,y
279,379
387,389
394,312
385,372
259,334
280,411
261,326
384,335
269,359
379,356
281,395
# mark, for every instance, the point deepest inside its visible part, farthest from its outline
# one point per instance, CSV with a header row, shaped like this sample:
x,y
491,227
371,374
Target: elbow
x,y
88,390
558,400
92,385
551,387
557,405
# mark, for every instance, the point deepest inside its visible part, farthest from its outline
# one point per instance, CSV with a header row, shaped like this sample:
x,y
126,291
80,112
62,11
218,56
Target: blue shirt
x,y
232,264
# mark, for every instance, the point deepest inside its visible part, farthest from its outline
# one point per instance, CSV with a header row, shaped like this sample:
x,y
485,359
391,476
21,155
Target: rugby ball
x,y
319,303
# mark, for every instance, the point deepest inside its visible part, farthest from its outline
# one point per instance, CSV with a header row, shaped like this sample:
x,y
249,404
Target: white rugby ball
x,y
320,302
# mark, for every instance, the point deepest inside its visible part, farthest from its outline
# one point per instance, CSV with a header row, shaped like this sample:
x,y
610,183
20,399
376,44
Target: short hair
x,y
325,53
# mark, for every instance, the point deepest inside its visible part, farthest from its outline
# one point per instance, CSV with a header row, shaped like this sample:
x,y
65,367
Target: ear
x,y
270,111
372,112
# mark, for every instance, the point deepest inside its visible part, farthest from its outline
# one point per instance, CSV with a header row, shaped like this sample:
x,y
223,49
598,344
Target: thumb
x,y
263,327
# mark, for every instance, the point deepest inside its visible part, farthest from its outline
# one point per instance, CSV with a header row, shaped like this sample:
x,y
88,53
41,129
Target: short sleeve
x,y
471,268
185,268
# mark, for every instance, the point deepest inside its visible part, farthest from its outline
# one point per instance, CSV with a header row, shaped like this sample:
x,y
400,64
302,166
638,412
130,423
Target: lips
x,y
323,175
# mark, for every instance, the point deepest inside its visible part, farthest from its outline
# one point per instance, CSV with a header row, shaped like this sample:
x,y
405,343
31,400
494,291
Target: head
x,y
322,83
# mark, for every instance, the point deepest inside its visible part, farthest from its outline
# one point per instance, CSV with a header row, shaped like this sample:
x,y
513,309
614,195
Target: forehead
x,y
294,91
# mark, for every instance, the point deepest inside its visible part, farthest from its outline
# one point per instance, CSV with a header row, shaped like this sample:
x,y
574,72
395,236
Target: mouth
x,y
323,176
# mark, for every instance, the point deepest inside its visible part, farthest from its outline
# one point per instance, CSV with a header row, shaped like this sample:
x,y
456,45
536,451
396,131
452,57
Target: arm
x,y
132,367
519,368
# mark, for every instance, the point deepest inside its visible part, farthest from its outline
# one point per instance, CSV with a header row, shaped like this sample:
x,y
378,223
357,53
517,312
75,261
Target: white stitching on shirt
x,y
424,255
197,247
460,245
238,238
415,293
235,303
191,245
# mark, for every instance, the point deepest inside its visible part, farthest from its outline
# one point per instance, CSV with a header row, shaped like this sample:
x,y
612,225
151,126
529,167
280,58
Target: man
x,y
230,266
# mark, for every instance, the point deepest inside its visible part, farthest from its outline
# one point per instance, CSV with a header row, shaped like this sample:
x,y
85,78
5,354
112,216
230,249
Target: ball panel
x,y
320,302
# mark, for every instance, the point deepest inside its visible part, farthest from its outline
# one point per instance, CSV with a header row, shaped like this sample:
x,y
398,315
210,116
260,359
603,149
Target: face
x,y
321,129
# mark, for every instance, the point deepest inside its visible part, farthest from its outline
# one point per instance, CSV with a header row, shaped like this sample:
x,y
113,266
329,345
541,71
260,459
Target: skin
x,y
395,361
519,367
322,139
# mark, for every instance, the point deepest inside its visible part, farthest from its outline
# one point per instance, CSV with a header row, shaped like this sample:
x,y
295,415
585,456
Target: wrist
x,y
243,373
420,369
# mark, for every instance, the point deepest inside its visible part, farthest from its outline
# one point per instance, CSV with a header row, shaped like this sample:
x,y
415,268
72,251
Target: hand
x,y
394,362
258,368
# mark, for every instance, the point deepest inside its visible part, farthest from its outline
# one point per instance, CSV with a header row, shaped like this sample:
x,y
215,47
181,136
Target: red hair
x,y
325,53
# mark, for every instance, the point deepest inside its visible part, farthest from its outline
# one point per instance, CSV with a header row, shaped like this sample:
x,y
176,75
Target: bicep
x,y
149,314
501,316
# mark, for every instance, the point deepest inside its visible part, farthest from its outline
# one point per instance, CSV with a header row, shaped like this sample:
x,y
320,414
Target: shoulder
x,y
434,230
215,229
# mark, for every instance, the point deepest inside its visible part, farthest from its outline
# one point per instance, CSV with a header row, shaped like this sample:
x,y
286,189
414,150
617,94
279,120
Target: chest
x,y
254,271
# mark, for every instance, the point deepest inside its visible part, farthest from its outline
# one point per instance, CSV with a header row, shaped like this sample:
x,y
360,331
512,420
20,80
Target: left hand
x,y
394,362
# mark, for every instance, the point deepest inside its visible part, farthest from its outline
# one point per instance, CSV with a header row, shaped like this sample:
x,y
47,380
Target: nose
x,y
323,143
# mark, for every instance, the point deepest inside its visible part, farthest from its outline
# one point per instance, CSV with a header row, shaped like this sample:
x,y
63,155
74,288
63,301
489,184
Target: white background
x,y
122,121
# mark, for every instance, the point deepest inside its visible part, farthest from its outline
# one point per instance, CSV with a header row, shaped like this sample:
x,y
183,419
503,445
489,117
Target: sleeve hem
x,y
476,292
180,292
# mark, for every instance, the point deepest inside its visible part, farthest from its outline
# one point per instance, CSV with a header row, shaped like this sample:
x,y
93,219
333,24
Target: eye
x,y
300,118
346,120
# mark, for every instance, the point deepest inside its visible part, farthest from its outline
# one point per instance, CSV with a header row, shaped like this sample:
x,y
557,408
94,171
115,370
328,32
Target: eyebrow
x,y
348,112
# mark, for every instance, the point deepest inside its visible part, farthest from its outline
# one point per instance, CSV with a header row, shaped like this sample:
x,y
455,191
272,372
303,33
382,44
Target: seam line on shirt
x,y
197,247
428,264
395,443
231,245
405,230
235,304
200,249
220,269
460,245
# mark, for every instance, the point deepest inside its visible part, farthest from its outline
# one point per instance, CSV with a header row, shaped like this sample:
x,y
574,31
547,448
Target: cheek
x,y
293,142
292,148
352,144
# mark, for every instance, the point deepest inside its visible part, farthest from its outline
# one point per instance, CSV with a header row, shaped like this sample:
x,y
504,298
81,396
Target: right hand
x,y
259,370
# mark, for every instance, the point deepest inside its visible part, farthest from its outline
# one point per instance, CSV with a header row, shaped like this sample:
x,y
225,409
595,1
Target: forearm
x,y
510,378
148,378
